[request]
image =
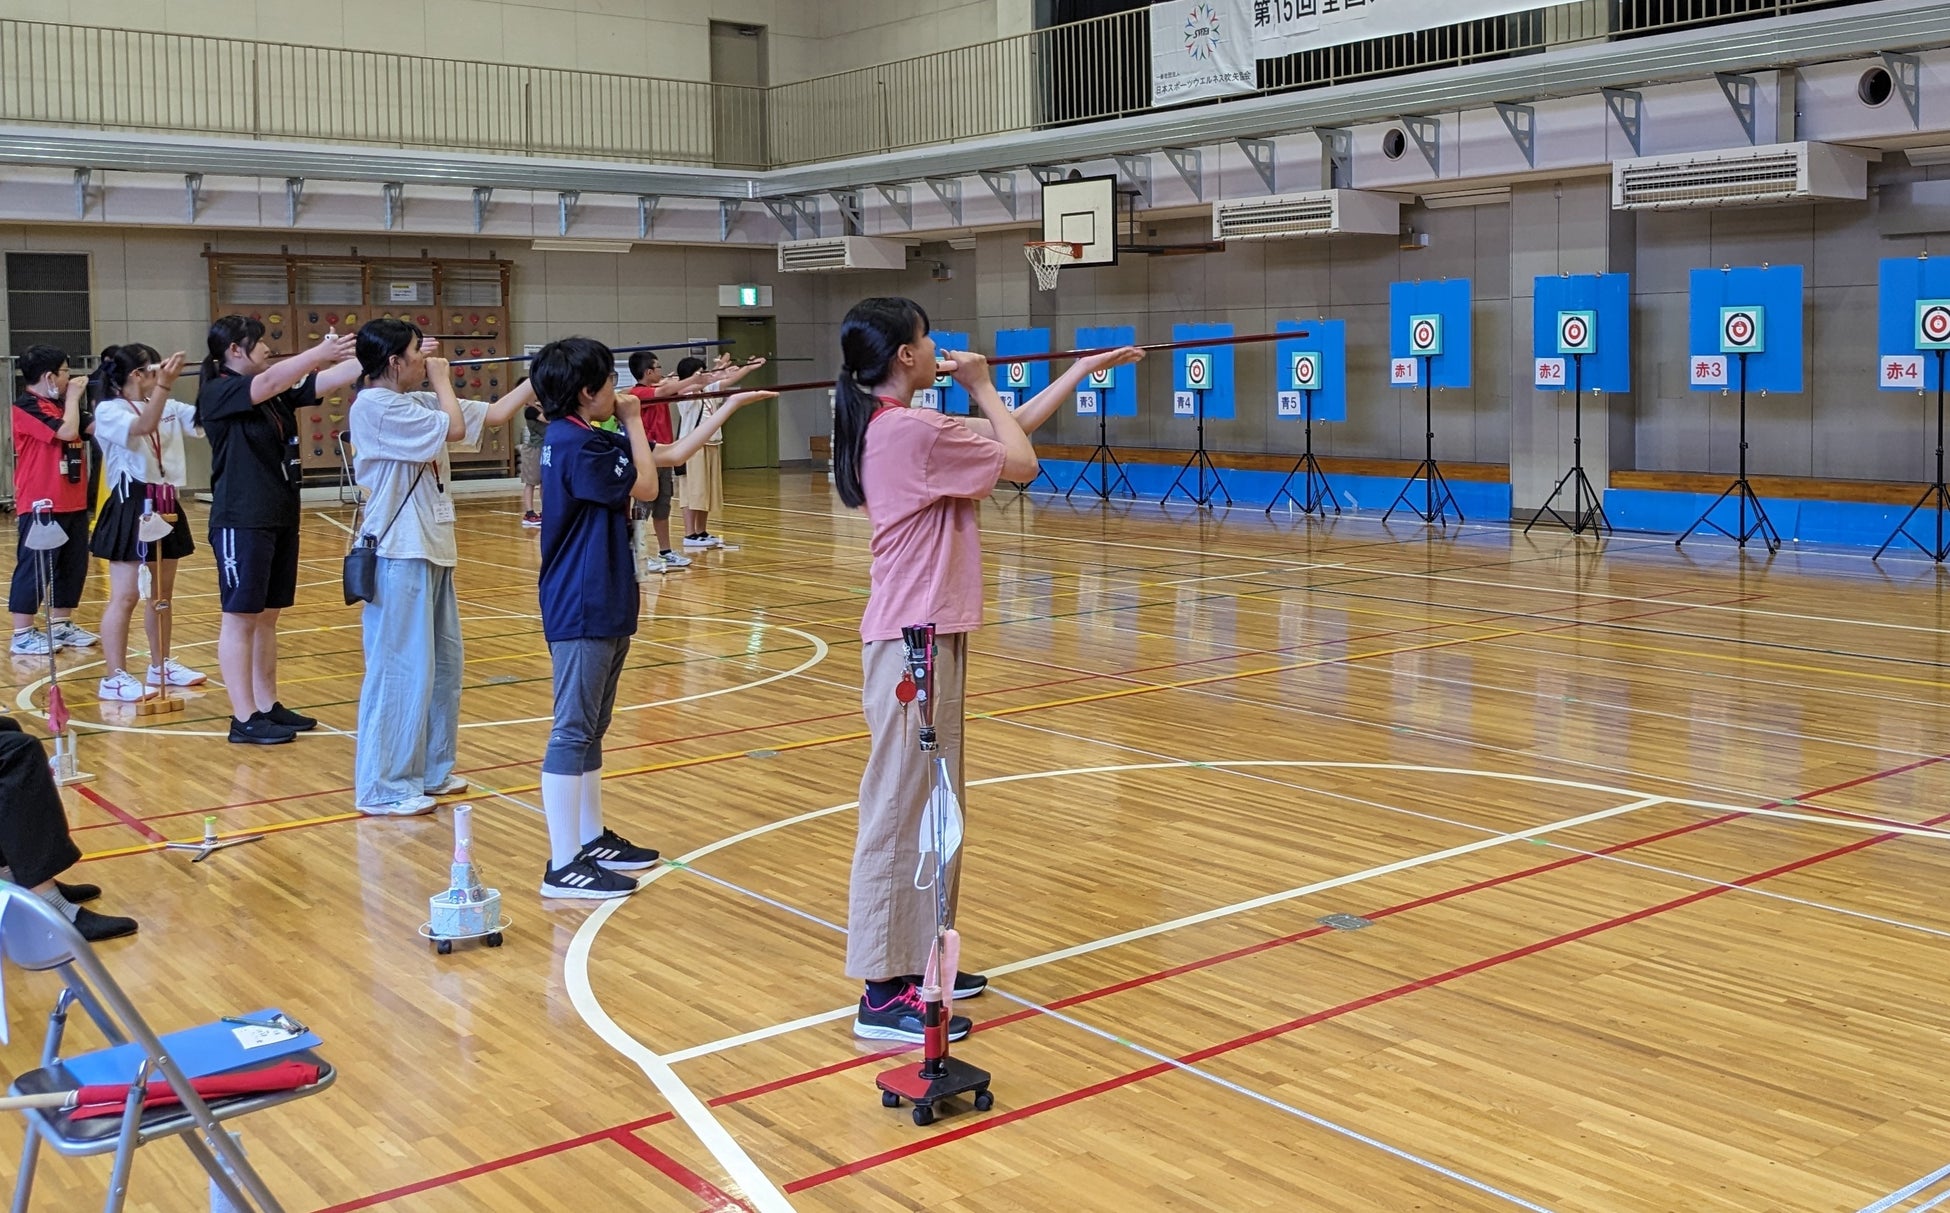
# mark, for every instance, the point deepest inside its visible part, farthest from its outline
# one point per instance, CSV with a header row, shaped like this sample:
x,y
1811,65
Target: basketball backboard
x,y
1083,211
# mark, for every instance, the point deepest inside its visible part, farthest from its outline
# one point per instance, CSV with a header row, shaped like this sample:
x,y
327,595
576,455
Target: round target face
x,y
1100,378
1423,335
1934,323
1575,330
1195,371
1740,328
1018,374
1305,372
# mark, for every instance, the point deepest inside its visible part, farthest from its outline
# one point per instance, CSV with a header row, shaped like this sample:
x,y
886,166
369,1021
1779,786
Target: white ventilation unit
x,y
1741,176
841,253
1321,213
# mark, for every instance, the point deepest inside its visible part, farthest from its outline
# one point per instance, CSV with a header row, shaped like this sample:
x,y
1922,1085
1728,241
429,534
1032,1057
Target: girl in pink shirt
x,y
920,476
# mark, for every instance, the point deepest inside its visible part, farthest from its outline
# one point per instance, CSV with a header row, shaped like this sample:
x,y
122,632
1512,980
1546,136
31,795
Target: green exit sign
x,y
747,296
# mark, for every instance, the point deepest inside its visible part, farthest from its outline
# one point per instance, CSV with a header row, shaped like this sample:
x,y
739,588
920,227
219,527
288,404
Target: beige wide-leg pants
x,y
890,923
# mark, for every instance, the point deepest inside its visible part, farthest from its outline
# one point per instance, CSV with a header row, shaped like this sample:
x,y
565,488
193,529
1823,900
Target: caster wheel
x,y
443,946
494,940
889,1100
923,1116
984,1101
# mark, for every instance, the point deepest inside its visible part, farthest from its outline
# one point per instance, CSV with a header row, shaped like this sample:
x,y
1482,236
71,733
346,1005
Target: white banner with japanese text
x,y
1286,27
1200,49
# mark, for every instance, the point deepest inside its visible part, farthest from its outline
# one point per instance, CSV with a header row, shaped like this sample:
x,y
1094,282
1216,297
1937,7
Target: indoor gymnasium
x,y
976,605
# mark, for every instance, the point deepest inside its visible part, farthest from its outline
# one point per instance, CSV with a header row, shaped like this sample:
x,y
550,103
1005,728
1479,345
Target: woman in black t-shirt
x,y
248,407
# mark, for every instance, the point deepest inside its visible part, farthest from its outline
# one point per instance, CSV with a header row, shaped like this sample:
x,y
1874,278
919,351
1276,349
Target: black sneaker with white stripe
x,y
617,853
579,878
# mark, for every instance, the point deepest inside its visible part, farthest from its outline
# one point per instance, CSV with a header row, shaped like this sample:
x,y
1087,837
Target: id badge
x,y
443,508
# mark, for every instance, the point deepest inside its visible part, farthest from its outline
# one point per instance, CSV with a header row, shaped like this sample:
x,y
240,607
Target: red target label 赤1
x,y
1424,335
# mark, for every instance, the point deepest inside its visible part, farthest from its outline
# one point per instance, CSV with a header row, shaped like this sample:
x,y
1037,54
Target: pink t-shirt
x,y
922,474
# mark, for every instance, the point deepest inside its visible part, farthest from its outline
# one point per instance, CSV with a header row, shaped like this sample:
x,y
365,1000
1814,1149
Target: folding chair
x,y
34,936
349,491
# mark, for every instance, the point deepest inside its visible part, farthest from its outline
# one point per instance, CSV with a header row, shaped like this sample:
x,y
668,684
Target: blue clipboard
x,y
211,1048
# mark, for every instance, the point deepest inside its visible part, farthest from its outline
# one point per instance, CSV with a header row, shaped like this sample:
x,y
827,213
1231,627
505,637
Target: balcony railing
x,y
129,80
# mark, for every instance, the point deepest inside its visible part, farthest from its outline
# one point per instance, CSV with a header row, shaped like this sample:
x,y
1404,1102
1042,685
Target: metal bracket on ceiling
x,y
567,203
1259,154
81,178
901,199
1907,73
483,198
1338,143
1137,170
807,209
1521,122
1739,91
1003,186
787,217
1627,106
646,213
1427,134
393,194
1190,163
853,214
728,209
192,195
1047,173
948,189
294,193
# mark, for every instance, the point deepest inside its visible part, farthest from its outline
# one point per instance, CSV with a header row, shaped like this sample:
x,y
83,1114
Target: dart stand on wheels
x,y
938,1075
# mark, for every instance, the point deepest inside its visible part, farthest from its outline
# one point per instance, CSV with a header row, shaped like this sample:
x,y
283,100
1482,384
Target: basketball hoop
x,y
1048,257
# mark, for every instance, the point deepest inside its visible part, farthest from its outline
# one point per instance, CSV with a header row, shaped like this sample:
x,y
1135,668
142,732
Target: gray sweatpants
x,y
586,673
889,922
409,703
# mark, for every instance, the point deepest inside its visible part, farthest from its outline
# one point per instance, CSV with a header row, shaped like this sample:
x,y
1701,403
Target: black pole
x,y
1198,405
1744,492
1103,442
1937,496
1428,437
1939,455
1743,444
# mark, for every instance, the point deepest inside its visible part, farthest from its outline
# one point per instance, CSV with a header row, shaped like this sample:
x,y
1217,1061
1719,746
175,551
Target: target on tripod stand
x,y
1424,336
1577,333
1741,330
1306,372
1933,324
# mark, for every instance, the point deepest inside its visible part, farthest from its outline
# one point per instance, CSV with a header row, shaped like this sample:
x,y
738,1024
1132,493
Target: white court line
x,y
1902,1194
1189,920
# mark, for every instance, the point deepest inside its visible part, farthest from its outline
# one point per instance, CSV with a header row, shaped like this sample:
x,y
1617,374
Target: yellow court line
x,y
148,847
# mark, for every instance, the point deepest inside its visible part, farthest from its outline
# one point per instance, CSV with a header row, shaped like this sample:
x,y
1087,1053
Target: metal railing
x,y
1087,71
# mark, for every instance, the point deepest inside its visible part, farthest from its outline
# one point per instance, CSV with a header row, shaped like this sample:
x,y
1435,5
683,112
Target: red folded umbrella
x,y
109,1099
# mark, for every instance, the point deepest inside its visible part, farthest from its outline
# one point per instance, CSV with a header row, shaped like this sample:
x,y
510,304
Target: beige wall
x,y
669,38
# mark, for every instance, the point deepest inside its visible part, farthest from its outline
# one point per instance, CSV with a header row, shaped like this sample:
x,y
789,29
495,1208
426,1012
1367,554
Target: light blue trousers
x,y
409,705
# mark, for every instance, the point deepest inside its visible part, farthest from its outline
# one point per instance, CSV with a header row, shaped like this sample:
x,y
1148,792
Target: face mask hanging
x,y
42,534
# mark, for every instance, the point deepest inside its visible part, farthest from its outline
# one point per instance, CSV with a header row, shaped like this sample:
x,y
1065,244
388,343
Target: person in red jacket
x,y
50,481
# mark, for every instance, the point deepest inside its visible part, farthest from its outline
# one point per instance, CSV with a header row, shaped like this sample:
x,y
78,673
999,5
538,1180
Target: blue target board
x,y
1319,345
1020,381
1592,312
1913,300
1429,323
1114,392
1746,314
1204,372
948,396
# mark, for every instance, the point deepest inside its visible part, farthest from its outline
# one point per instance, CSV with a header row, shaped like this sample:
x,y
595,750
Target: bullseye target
x,y
1933,324
1198,371
1577,333
1424,336
1741,330
1100,379
1306,372
1017,374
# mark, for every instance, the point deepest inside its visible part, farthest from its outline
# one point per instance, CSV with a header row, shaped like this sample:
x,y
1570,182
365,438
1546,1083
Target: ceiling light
x,y
1486,197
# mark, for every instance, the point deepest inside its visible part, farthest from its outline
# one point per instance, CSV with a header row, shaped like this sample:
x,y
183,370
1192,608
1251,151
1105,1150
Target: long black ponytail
x,y
870,336
225,332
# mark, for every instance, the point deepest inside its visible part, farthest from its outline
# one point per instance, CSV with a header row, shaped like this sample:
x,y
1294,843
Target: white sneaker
x,y
654,565
121,687
697,541
675,560
70,635
449,786
173,673
412,806
31,643
713,541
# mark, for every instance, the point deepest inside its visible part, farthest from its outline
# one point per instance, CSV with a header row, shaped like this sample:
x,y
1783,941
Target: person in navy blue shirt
x,y
589,595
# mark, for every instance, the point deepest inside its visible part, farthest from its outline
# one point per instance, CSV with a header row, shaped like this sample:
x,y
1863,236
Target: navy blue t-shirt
x,y
589,588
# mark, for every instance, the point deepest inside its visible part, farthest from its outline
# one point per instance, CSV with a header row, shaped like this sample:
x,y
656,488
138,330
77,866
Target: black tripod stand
x,y
1742,492
1104,458
1320,494
1583,516
1202,462
1438,500
1937,497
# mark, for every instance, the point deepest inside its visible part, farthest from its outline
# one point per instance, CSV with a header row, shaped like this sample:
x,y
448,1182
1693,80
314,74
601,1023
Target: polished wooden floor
x,y
1643,839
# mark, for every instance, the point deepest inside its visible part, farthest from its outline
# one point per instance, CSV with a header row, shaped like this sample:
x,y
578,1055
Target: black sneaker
x,y
281,715
96,927
967,985
259,730
901,1018
582,879
617,853
78,893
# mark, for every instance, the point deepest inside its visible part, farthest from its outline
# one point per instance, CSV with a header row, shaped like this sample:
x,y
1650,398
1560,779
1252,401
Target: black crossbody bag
x,y
362,562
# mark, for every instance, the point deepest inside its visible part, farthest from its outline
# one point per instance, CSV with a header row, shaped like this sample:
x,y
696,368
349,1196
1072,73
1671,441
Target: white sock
x,y
53,897
592,805
562,807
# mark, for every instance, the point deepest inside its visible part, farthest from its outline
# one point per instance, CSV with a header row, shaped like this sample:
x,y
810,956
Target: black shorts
x,y
666,489
66,566
116,539
257,568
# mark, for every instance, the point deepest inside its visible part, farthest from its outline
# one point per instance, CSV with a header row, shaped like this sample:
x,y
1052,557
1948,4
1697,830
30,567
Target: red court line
x,y
1192,1058
102,802
452,1177
716,1199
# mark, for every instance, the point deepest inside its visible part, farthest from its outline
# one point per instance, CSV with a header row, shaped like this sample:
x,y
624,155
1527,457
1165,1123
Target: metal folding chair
x,y
349,492
34,936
